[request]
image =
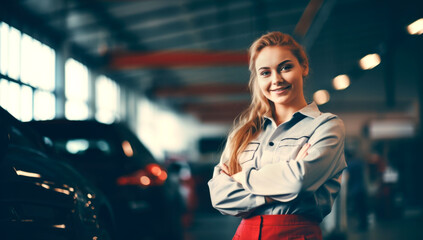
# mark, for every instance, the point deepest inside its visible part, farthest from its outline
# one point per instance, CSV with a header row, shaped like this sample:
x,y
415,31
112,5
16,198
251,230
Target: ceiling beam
x,y
217,117
109,21
223,112
312,21
307,18
236,106
14,14
176,59
201,90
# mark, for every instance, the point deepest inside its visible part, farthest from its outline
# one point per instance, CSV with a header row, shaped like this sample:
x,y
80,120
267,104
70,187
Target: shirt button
x,y
271,144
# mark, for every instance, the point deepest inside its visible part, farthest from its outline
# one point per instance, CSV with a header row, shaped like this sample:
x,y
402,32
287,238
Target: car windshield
x,y
88,142
83,146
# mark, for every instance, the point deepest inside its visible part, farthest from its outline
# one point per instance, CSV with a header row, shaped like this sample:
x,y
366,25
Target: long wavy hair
x,y
247,126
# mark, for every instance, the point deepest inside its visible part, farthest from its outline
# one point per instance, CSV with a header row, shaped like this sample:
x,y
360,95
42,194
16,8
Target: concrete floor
x,y
212,226
393,229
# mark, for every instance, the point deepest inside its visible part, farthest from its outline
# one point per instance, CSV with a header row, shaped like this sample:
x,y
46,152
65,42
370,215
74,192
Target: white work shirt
x,y
307,187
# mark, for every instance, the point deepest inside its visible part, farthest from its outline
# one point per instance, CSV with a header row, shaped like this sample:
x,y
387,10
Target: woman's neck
x,y
283,113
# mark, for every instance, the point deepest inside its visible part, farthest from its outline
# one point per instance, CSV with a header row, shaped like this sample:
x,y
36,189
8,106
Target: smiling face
x,y
280,77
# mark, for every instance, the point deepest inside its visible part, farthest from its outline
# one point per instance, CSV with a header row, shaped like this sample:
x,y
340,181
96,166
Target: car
x,y
43,197
147,204
179,171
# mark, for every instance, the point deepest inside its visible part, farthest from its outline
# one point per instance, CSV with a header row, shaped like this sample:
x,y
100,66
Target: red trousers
x,y
278,227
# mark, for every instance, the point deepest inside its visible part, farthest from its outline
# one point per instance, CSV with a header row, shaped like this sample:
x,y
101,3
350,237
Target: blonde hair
x,y
248,125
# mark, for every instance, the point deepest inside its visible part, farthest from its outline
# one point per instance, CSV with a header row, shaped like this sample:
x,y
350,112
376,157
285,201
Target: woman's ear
x,y
305,71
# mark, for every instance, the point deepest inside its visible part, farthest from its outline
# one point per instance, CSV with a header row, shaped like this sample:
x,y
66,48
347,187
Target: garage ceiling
x,y
191,54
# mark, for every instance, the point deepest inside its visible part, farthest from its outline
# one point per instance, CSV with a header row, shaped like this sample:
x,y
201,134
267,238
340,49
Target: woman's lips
x,y
281,90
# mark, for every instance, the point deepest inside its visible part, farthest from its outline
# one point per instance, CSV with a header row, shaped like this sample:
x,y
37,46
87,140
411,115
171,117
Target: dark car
x,y
179,171
146,203
42,197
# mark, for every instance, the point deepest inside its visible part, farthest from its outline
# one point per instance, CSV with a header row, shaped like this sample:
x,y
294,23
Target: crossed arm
x,y
238,176
318,160
229,195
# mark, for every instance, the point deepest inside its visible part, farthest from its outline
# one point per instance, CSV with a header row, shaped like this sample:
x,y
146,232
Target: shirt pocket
x,y
248,154
288,148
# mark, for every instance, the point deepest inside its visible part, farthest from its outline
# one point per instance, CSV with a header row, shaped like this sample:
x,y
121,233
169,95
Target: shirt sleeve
x,y
229,197
283,181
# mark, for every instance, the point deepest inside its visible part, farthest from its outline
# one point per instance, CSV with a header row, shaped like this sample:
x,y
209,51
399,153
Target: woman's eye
x,y
286,67
264,73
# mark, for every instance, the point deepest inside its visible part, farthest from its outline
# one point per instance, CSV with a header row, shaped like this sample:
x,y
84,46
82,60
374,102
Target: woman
x,y
282,164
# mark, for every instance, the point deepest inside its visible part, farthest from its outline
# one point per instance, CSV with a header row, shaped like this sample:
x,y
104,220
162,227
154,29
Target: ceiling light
x,y
341,82
369,61
416,28
321,97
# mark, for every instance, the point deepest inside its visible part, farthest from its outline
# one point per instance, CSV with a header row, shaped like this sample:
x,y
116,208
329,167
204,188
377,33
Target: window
x,y
43,105
76,90
38,62
26,103
4,85
4,49
13,98
14,53
28,69
107,99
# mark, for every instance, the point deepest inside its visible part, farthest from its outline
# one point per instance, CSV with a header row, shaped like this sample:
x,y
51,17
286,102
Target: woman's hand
x,y
224,169
300,156
303,152
268,199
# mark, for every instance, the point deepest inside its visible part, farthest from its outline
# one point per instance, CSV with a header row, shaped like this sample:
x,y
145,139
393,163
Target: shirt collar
x,y
311,110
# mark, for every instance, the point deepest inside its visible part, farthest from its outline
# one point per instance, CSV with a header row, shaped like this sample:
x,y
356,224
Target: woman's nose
x,y
277,78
